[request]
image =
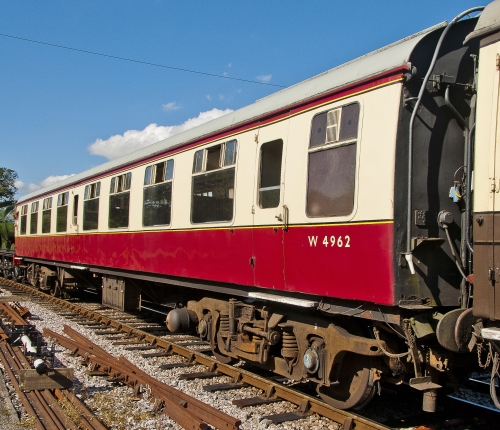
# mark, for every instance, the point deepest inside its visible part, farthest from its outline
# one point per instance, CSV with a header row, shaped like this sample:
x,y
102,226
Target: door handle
x,y
285,217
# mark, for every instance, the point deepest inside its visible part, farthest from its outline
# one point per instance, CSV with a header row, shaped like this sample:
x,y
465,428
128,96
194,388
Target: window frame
x,y
46,209
259,177
92,192
23,213
167,178
222,166
35,206
120,185
337,144
62,202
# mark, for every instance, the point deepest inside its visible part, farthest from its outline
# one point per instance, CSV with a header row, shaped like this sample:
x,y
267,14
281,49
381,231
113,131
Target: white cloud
x,y
132,140
171,106
230,65
33,186
208,97
264,78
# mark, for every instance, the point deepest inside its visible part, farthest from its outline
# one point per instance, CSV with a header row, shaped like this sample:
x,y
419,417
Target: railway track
x,y
185,351
189,360
53,408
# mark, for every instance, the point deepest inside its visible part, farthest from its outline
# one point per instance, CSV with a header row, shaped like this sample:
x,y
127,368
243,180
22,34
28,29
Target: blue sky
x,y
59,108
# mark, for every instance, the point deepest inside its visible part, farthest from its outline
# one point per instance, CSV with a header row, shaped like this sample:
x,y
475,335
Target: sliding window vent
x,y
333,126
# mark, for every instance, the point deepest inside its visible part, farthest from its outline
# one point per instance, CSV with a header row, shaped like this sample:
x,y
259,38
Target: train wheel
x,y
356,385
55,290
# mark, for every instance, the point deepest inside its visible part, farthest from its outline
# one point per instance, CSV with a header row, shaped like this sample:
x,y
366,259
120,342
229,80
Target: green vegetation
x,y
7,184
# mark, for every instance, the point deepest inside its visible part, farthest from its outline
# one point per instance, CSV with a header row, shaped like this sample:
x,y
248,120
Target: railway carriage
x,y
323,232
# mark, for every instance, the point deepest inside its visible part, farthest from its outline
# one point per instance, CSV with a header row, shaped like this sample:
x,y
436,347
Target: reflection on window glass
x,y
349,122
46,213
46,221
34,223
230,153
118,210
170,170
24,219
270,174
90,214
318,130
213,193
91,206
75,210
62,212
61,218
34,218
198,161
147,175
213,196
157,205
330,188
332,162
157,199
119,200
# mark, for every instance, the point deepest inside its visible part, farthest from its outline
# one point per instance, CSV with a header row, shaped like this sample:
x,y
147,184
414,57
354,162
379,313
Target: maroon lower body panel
x,y
349,261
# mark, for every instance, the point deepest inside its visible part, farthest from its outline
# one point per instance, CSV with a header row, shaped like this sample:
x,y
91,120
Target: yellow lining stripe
x,y
342,224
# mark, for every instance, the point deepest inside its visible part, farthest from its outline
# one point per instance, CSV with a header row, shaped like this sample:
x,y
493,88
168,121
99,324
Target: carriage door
x,y
486,216
268,206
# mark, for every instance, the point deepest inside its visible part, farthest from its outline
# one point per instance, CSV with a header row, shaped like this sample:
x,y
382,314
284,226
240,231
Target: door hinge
x,y
256,138
253,209
498,62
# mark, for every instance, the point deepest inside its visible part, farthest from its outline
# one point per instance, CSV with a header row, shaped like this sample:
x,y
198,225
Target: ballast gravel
x,y
117,408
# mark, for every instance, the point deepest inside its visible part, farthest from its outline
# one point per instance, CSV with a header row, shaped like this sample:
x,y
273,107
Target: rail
x,y
347,419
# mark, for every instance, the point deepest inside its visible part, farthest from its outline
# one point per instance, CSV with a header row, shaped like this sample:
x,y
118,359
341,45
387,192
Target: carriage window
x,y
270,174
34,218
47,211
119,201
91,206
230,153
62,212
24,219
157,202
198,161
213,192
75,210
332,162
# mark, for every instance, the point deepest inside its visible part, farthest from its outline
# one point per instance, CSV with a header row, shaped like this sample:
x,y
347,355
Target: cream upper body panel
x,y
486,157
375,158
